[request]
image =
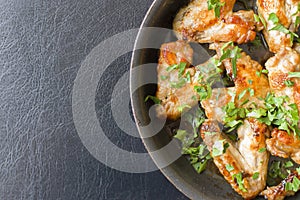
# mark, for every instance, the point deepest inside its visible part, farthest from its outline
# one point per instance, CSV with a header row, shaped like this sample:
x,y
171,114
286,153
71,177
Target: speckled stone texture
x,y
42,45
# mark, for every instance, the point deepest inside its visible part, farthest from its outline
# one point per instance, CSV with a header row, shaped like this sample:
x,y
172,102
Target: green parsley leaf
x,y
204,91
297,21
273,17
180,135
288,164
242,94
153,98
229,168
256,18
294,75
289,83
239,179
255,176
216,6
261,150
182,107
257,113
293,186
219,148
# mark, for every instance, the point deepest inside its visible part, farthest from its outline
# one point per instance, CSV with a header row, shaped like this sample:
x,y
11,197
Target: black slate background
x,y
42,45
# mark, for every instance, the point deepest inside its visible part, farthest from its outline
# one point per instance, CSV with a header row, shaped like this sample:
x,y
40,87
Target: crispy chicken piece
x,y
285,61
196,23
247,78
213,106
278,192
284,145
171,97
286,11
244,156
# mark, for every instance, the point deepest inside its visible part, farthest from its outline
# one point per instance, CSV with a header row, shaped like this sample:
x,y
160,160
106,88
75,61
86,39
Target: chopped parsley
x,y
279,27
153,98
229,167
204,91
219,148
233,54
289,83
288,164
242,94
197,153
292,186
255,176
261,150
216,6
259,18
183,107
239,179
294,75
234,116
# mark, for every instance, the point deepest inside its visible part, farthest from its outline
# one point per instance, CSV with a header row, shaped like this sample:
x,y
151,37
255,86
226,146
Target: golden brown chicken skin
x,y
172,98
286,11
285,145
196,23
278,192
247,77
279,66
243,157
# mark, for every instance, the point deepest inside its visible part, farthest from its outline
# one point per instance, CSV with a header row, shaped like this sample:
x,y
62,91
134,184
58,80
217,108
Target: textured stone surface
x,y
42,45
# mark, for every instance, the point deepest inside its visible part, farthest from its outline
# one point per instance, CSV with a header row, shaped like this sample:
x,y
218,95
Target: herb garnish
x,y
294,75
216,6
255,176
219,148
259,18
292,186
289,83
229,168
279,27
233,54
197,153
239,179
153,98
276,112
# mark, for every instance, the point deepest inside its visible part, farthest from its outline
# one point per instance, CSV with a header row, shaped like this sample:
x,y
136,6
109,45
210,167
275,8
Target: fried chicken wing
x,y
286,11
285,61
278,192
283,144
174,97
239,162
249,77
196,23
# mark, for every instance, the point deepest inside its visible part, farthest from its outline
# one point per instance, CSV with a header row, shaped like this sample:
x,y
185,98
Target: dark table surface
x,y
43,45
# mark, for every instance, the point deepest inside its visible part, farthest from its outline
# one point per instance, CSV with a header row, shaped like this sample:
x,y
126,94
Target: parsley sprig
x,y
232,53
276,112
215,5
197,153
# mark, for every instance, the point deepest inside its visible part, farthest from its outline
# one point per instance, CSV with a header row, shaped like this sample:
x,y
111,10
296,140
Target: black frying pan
x,y
209,185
